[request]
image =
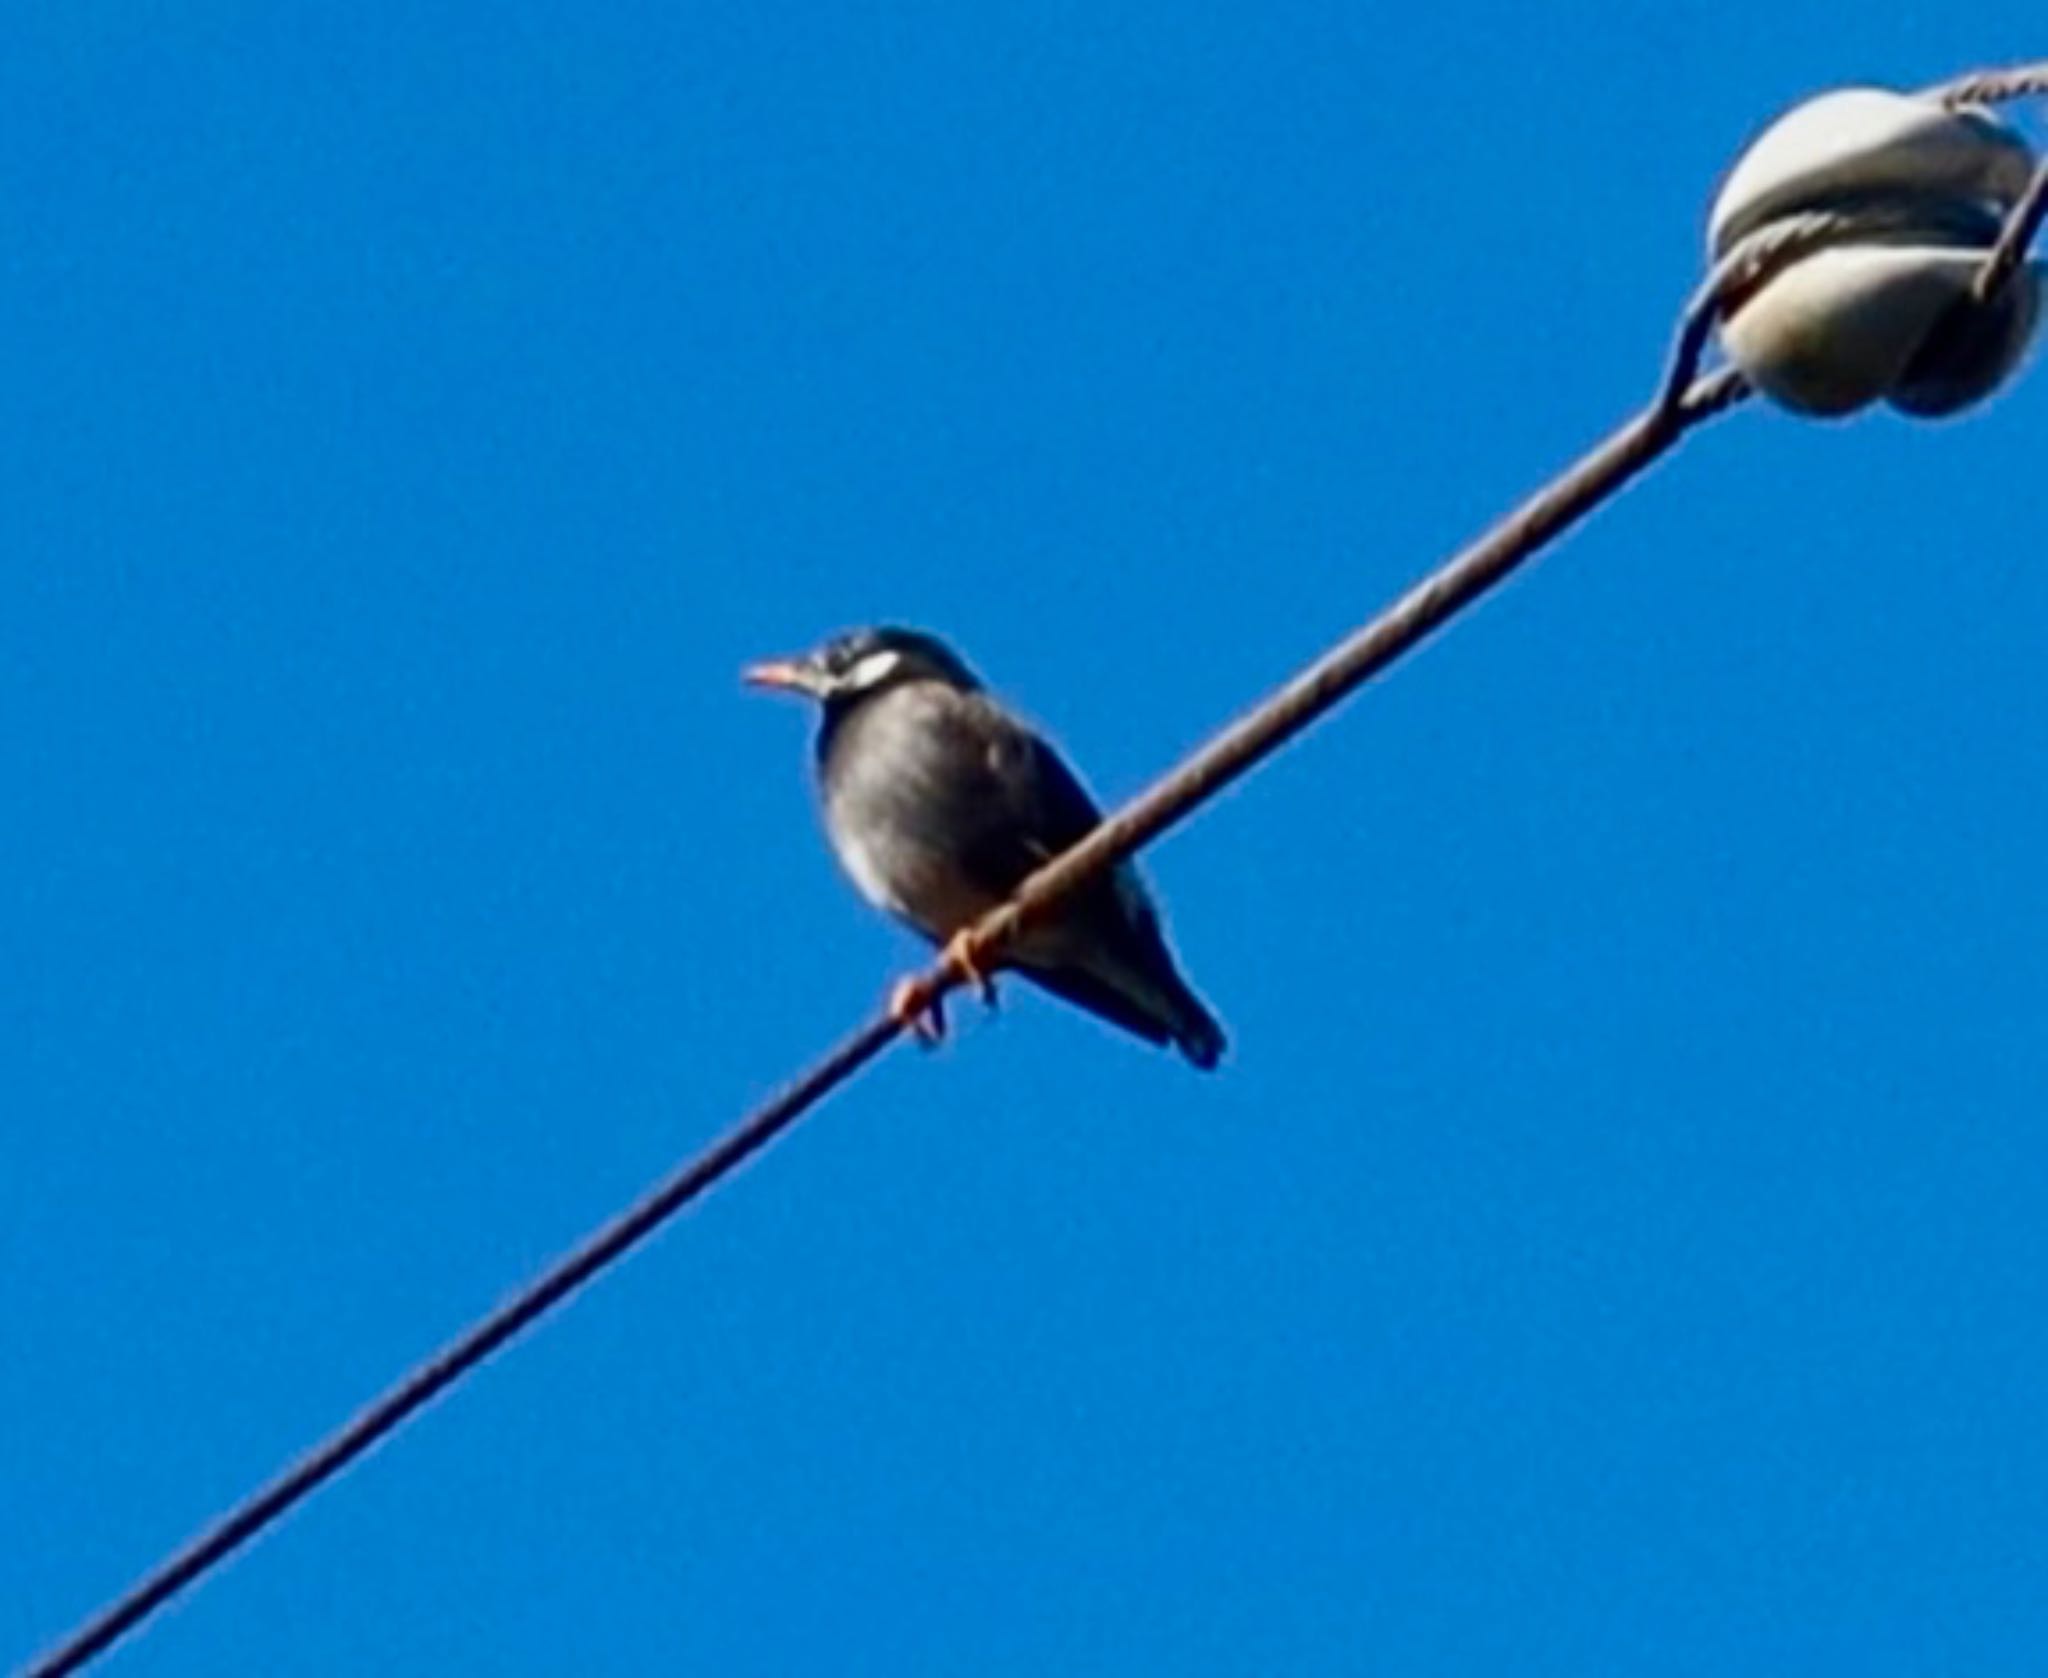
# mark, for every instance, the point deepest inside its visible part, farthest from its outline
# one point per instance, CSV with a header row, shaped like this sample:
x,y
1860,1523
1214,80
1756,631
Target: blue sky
x,y
1616,1240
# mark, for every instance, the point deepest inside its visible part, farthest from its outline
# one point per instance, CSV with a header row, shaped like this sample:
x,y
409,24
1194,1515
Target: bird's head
x,y
861,663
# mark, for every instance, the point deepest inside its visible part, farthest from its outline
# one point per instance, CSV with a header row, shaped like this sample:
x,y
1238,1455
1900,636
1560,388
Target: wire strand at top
x,y
1992,87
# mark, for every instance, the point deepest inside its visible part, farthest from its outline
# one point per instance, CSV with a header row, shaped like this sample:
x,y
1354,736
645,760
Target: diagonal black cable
x,y
1682,402
457,1358
1262,730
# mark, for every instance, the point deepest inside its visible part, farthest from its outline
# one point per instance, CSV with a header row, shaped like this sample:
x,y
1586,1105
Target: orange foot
x,y
920,1010
963,954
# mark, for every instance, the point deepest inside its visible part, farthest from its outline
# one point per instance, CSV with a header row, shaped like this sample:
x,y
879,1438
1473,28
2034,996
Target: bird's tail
x,y
1195,1030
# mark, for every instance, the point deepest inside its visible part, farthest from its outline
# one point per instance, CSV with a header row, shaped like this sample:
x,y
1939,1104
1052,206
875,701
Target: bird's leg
x,y
919,1005
964,955
915,1005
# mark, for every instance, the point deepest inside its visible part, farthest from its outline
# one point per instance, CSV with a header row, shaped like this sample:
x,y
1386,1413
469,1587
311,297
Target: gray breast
x,y
906,787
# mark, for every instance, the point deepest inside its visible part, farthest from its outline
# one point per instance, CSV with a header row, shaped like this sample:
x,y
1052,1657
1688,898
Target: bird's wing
x,y
1111,958
1030,805
1033,807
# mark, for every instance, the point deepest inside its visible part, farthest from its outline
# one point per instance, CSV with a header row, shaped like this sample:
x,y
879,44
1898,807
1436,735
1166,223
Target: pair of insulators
x,y
1873,298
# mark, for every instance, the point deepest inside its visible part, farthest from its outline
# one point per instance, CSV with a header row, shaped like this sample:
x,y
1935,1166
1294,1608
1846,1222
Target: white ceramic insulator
x,y
1842,328
1868,143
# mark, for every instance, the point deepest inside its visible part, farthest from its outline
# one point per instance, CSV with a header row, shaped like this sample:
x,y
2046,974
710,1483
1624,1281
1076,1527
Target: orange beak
x,y
787,673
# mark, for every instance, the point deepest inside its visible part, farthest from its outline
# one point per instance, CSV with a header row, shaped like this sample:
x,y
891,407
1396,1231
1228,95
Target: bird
x,y
939,802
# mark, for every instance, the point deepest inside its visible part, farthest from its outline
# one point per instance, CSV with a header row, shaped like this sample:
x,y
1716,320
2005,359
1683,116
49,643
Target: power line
x,y
1262,730
456,1359
1682,402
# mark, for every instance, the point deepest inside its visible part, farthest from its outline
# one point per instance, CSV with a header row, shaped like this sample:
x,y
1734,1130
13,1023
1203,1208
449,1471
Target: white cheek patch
x,y
876,667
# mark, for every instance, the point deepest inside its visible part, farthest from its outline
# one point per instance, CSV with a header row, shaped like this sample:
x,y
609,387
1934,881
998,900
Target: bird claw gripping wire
x,y
966,954
918,1004
919,1007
